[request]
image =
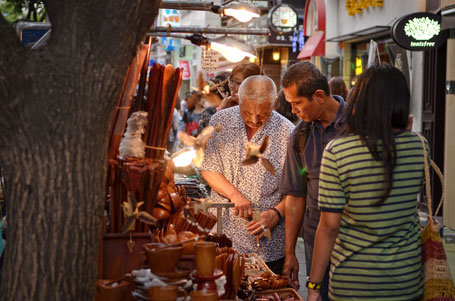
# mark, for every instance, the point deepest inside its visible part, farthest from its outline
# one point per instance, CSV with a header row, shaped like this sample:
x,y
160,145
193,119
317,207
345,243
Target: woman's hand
x,y
229,101
269,219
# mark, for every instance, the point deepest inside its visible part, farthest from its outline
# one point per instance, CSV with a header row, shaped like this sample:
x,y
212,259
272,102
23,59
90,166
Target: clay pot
x,y
204,295
110,293
162,259
205,253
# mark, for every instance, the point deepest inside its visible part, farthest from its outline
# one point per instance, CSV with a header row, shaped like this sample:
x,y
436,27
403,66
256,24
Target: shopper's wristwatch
x,y
312,285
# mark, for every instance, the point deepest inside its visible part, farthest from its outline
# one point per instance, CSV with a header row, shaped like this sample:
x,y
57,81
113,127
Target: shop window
x,y
389,52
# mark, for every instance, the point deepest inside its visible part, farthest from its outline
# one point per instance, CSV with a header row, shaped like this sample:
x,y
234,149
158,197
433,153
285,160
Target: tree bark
x,y
56,107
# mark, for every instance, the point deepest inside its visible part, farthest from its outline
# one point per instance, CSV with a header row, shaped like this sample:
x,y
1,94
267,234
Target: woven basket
x,y
438,283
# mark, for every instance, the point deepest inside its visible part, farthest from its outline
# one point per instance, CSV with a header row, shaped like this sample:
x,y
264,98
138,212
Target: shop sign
x,y
186,71
169,44
283,18
418,31
288,38
298,38
357,6
170,17
210,60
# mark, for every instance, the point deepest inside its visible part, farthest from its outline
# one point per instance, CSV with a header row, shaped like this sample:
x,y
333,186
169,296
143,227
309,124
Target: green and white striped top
x,y
377,253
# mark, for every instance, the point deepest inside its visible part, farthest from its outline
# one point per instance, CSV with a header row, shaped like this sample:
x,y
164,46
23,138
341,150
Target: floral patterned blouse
x,y
225,153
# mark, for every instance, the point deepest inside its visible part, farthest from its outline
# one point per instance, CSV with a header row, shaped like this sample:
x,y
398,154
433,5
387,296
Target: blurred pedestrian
x,y
338,87
218,90
285,108
171,144
195,105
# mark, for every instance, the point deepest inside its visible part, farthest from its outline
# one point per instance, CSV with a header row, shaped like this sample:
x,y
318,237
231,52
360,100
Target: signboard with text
x,y
170,17
419,31
169,44
186,71
210,60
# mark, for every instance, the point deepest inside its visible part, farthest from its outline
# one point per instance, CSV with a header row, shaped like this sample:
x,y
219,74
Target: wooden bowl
x,y
110,293
162,259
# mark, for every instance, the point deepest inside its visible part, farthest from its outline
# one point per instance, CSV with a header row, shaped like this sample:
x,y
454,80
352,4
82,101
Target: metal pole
x,y
219,223
188,5
260,32
167,35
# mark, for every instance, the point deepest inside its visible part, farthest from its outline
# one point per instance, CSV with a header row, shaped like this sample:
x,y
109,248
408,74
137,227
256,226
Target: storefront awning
x,y
314,46
364,33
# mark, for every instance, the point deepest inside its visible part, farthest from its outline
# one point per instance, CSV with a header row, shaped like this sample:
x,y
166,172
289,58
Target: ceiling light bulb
x,y
243,12
240,14
232,54
232,49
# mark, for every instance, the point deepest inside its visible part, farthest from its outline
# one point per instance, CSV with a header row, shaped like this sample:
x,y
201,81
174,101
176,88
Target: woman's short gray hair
x,y
258,89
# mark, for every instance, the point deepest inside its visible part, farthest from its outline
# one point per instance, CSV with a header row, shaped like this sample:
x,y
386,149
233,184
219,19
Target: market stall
x,y
159,240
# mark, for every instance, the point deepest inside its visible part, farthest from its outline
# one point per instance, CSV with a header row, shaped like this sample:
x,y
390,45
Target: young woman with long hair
x,y
369,182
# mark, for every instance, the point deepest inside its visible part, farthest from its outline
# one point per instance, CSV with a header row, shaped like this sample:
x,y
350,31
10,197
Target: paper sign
x,y
210,60
185,66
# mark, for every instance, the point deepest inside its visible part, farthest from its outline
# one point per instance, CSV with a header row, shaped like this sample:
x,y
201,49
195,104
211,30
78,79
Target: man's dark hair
x,y
307,77
379,105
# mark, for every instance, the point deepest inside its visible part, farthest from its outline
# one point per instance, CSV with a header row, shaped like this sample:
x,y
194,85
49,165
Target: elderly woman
x,y
250,186
369,182
238,75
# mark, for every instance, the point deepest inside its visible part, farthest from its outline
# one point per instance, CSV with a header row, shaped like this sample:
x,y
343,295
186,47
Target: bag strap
x,y
427,180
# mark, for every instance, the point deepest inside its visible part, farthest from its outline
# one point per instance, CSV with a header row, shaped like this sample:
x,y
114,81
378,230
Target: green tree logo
x,y
422,28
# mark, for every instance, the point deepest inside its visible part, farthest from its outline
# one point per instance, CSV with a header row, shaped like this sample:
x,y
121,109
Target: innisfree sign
x,y
419,31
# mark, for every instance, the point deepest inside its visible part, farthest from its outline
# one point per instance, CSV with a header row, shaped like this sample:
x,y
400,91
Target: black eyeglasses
x,y
231,82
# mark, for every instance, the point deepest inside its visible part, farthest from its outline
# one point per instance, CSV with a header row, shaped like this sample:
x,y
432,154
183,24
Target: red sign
x,y
185,66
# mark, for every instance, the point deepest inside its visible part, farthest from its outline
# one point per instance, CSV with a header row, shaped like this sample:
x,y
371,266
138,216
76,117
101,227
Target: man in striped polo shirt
x,y
307,90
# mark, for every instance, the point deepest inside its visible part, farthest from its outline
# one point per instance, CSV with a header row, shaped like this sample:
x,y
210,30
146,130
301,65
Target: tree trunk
x,y
56,106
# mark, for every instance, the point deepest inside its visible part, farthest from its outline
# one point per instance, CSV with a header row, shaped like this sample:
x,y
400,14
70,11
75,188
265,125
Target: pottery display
x,y
107,291
162,259
204,257
167,293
